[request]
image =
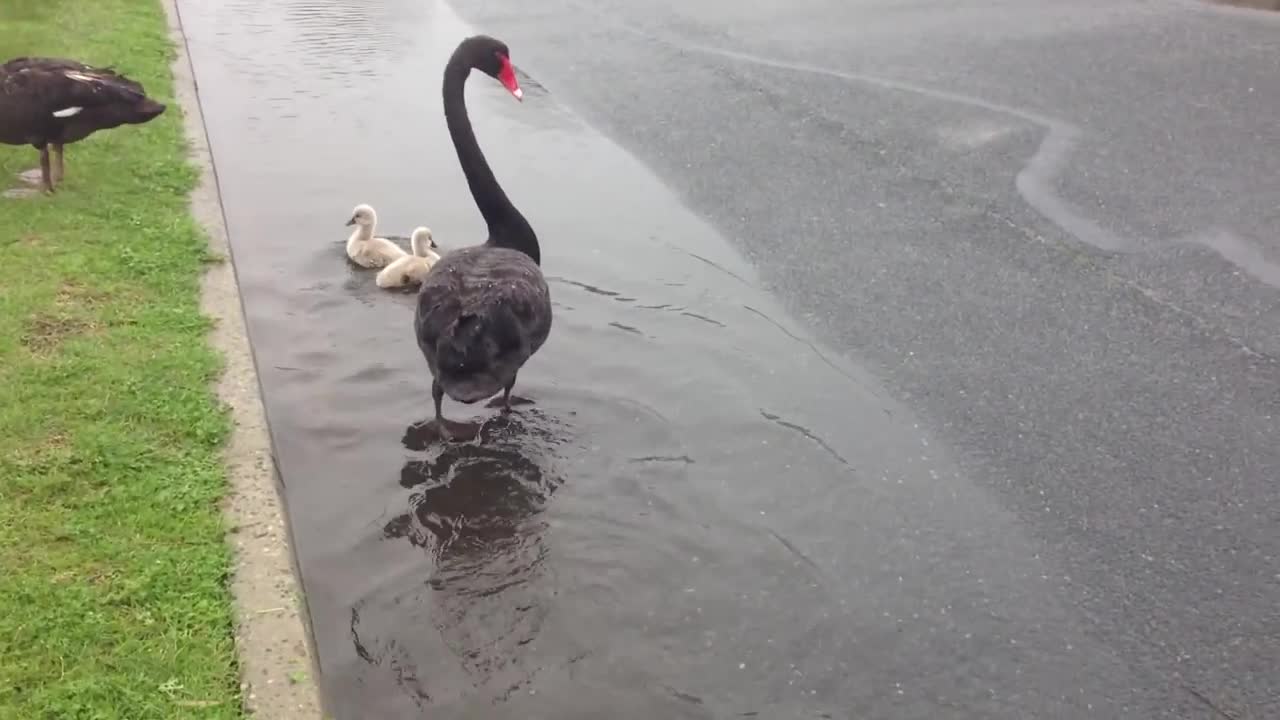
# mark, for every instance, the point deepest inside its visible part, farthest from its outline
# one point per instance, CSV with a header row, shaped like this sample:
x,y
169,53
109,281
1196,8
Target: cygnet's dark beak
x,y
352,221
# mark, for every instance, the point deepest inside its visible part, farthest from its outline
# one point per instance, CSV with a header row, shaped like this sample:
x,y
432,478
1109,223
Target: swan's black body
x,y
482,311
33,89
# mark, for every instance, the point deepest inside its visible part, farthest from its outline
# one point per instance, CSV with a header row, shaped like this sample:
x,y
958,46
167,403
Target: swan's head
x,y
492,57
421,241
363,215
114,115
145,111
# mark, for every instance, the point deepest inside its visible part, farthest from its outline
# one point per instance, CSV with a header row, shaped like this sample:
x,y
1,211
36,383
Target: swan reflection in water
x,y
476,510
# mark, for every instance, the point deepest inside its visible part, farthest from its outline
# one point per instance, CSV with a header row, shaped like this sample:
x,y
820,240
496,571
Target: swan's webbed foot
x,y
451,431
506,402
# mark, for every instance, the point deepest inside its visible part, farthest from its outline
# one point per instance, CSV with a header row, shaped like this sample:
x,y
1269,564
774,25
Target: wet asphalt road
x,y
1052,228
927,369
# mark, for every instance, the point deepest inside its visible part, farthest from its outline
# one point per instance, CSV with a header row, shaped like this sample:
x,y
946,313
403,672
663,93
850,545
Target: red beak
x,y
508,78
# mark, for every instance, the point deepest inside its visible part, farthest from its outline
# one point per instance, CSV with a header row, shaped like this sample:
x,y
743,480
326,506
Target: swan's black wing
x,y
106,75
482,312
53,84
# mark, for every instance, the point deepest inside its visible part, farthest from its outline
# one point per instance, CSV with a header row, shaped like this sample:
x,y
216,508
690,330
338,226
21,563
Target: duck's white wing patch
x,y
79,76
68,112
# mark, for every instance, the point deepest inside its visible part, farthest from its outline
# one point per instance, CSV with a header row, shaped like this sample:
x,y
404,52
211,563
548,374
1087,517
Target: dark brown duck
x,y
51,102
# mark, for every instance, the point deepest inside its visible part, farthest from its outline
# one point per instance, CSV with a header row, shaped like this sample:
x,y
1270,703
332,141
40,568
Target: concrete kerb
x,y
273,637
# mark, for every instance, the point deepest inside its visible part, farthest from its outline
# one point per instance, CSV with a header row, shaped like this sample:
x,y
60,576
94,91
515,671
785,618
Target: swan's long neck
x,y
362,233
419,245
507,227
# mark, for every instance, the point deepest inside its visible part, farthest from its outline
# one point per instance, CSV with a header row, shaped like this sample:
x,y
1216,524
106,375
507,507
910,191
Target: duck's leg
x,y
58,170
44,169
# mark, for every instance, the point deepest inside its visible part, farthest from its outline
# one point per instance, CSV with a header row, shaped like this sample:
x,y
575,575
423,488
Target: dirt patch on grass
x,y
92,575
46,332
34,455
53,443
73,294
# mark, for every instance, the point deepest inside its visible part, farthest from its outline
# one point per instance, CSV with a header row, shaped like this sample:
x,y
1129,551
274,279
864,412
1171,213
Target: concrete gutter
x,y
273,638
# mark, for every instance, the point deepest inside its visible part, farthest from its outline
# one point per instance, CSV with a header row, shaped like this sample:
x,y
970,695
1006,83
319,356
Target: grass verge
x,y
114,600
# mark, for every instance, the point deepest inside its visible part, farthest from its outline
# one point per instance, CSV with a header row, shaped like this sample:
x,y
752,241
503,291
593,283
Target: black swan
x,y
53,101
484,310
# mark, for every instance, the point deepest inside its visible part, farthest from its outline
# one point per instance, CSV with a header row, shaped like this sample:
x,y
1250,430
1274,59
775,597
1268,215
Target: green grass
x,y
113,568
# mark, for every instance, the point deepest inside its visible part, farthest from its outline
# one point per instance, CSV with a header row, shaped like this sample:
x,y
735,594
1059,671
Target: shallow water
x,y
703,514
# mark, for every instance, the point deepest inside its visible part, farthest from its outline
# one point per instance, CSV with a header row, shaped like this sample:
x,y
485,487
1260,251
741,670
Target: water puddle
x,y
702,514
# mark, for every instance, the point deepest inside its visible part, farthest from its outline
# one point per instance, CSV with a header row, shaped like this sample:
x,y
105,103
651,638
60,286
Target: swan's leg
x,y
505,402
437,396
44,169
58,169
506,396
448,429
508,399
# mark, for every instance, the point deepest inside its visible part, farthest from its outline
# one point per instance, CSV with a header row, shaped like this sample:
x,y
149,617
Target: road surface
x,y
912,359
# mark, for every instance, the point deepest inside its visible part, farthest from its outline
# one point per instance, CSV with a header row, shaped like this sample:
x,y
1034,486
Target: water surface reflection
x,y
476,511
